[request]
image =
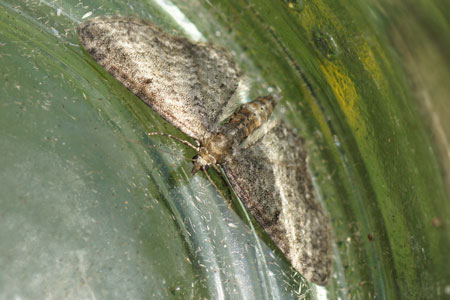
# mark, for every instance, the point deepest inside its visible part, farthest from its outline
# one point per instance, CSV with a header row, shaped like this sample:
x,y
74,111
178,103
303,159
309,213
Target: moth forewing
x,y
187,83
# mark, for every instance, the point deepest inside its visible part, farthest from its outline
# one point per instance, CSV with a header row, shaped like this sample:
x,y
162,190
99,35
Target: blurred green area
x,y
91,208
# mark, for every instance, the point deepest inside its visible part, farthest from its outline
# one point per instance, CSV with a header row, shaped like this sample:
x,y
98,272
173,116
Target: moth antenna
x,y
153,147
184,142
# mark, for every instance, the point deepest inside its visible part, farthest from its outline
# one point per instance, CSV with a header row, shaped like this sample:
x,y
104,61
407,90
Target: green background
x,y
92,208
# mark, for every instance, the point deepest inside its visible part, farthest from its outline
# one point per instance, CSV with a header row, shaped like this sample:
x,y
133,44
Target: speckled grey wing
x,y
271,177
187,83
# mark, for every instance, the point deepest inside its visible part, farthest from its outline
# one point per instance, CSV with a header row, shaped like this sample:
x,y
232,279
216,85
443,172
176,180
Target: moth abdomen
x,y
249,117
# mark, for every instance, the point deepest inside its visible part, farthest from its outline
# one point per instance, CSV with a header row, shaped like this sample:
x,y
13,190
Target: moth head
x,y
202,161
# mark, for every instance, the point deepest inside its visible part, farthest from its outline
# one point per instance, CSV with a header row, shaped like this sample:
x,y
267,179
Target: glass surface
x,y
91,207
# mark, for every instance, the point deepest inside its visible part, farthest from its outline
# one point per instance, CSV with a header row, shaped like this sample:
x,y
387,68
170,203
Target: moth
x,y
190,85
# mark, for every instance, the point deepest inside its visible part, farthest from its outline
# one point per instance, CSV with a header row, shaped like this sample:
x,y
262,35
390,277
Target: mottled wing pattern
x,y
272,179
187,83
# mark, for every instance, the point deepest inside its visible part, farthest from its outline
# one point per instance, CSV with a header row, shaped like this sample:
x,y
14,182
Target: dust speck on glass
x,y
192,85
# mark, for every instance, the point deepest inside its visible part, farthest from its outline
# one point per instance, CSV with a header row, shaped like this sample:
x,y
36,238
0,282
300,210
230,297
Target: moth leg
x,y
217,169
198,144
184,142
229,200
215,186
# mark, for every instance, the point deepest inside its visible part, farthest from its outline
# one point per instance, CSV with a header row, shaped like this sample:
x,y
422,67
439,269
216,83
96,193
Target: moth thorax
x,y
218,145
